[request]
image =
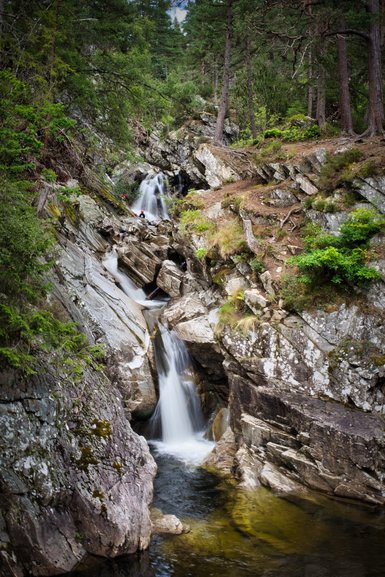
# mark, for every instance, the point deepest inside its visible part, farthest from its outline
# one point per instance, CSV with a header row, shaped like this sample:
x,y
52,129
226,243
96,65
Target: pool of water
x,y
240,534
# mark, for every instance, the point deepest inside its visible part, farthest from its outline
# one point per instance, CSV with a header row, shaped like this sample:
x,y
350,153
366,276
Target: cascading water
x,y
138,295
178,414
110,262
152,190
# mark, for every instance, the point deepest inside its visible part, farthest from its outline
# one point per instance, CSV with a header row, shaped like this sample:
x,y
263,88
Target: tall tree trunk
x,y
250,92
345,108
311,94
321,97
1,30
224,102
310,91
376,106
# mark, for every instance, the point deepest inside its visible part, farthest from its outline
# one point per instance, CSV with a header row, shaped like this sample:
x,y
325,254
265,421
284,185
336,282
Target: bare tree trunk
x,y
311,95
216,83
321,97
250,92
224,102
345,108
1,29
376,106
310,91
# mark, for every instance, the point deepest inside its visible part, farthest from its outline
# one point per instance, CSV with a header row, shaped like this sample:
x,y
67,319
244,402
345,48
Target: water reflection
x,y
238,534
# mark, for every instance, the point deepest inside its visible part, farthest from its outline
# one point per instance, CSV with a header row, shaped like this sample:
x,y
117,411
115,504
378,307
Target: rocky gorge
x,y
295,399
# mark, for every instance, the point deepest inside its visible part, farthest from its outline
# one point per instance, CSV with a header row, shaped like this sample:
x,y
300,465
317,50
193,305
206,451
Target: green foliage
x,y
24,241
26,327
321,204
194,221
335,265
257,265
340,260
201,253
26,124
294,133
361,226
49,175
24,330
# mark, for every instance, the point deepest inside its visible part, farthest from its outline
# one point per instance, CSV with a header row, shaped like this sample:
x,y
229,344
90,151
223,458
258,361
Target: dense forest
x,y
76,74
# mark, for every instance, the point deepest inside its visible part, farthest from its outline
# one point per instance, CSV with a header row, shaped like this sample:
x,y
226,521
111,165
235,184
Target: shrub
x,y
335,265
294,133
256,265
194,221
201,253
49,175
273,133
340,259
324,205
361,226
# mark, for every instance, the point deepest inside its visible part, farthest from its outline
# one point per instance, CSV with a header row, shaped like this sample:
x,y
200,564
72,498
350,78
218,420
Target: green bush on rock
x,y
333,260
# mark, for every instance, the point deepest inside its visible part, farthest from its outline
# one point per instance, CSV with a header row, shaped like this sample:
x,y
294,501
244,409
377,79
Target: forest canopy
x,y
98,72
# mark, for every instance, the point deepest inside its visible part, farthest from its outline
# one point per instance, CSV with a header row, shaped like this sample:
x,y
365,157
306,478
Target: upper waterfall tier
x,y
153,190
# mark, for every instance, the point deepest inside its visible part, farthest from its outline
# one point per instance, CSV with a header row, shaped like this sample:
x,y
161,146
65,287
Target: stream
x,y
234,533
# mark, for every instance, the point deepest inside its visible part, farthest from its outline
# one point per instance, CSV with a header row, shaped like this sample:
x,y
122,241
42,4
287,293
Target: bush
x,y
340,259
294,133
194,221
361,226
273,133
322,205
201,253
335,265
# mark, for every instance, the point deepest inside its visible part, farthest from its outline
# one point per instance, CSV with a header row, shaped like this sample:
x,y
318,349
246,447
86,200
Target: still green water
x,y
241,534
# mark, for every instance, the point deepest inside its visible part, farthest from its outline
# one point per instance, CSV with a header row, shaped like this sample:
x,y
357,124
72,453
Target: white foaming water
x,y
178,411
110,262
137,294
152,190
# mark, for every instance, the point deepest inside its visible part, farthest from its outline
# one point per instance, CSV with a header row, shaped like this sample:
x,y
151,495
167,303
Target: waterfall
x,y
110,262
178,407
137,294
152,191
178,414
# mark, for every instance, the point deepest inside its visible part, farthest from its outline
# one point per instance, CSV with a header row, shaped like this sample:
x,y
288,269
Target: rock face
x,y
188,153
75,479
306,391
312,442
89,293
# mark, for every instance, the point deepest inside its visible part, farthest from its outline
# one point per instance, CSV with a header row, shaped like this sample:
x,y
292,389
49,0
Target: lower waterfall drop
x,y
178,413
